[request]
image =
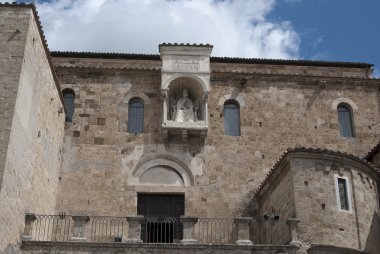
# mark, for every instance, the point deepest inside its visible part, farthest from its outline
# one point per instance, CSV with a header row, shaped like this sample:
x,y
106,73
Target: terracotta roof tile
x,y
109,55
184,44
374,150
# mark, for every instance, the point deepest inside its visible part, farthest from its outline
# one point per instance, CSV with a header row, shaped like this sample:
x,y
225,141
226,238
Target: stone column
x,y
134,228
29,219
79,229
242,226
188,229
206,111
292,223
164,108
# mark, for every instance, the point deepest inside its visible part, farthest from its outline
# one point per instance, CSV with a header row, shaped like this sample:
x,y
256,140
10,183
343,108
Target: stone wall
x,y
14,26
278,200
277,112
304,184
321,220
33,158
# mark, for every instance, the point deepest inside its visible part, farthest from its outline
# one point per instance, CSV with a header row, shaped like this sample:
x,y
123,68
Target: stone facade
x,y
12,46
305,181
95,166
33,134
277,112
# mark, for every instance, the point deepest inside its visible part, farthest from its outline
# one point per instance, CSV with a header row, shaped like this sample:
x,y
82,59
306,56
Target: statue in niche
x,y
184,110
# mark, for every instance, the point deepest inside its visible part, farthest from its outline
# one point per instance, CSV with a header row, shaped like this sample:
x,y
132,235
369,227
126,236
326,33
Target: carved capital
x,y
292,223
29,219
188,229
134,228
79,229
242,225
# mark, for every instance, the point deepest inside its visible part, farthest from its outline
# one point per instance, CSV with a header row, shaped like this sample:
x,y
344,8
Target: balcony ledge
x,y
198,128
94,248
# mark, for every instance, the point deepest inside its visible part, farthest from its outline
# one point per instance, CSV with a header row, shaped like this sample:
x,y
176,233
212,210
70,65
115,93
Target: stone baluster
x,y
134,228
242,225
79,228
29,219
292,223
188,229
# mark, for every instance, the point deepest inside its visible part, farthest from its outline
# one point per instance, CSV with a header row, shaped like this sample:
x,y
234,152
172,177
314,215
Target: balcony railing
x,y
271,232
216,231
140,229
161,230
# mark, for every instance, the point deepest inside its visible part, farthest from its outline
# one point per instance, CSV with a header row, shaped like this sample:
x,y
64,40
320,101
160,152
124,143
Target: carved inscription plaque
x,y
186,64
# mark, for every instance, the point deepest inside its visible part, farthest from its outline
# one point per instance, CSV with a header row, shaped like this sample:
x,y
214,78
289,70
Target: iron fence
x,y
56,228
270,232
212,231
60,228
107,229
161,230
215,231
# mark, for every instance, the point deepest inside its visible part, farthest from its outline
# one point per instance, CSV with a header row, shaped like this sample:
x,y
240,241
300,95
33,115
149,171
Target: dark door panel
x,y
161,217
160,205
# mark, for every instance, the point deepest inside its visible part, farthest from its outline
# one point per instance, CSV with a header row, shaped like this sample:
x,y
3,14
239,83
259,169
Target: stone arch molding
x,y
202,81
347,101
142,96
230,96
161,170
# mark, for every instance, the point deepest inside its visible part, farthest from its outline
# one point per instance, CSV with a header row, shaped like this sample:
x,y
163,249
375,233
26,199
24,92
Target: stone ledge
x,y
37,247
329,249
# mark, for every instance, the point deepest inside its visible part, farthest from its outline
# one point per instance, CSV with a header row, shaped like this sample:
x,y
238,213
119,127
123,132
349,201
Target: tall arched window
x,y
136,116
231,118
345,120
68,98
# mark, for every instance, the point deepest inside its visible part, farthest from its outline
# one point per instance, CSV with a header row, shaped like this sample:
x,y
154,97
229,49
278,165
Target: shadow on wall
x,y
372,244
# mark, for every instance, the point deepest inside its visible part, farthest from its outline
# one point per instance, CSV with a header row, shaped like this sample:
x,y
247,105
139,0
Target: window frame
x,y
351,119
70,91
130,115
236,103
348,193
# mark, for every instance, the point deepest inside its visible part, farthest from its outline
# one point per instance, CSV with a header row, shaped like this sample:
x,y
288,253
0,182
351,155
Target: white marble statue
x,y
184,109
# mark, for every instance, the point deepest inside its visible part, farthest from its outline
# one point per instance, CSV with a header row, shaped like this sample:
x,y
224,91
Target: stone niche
x,y
185,85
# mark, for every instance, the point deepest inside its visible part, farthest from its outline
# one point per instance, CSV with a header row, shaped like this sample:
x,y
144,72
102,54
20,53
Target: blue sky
x,y
335,30
328,30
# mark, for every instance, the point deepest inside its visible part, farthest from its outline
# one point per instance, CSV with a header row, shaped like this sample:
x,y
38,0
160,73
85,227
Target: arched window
x,y
68,98
231,118
345,120
136,116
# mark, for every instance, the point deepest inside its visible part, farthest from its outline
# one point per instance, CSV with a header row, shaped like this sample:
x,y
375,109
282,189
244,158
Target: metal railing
x,y
215,231
56,228
270,232
161,230
60,228
107,229
212,231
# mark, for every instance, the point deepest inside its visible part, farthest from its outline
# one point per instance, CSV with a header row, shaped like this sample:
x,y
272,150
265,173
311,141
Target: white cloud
x,y
235,27
376,73
318,42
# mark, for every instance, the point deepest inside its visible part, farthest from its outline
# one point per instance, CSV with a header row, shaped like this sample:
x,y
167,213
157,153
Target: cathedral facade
x,y
182,151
